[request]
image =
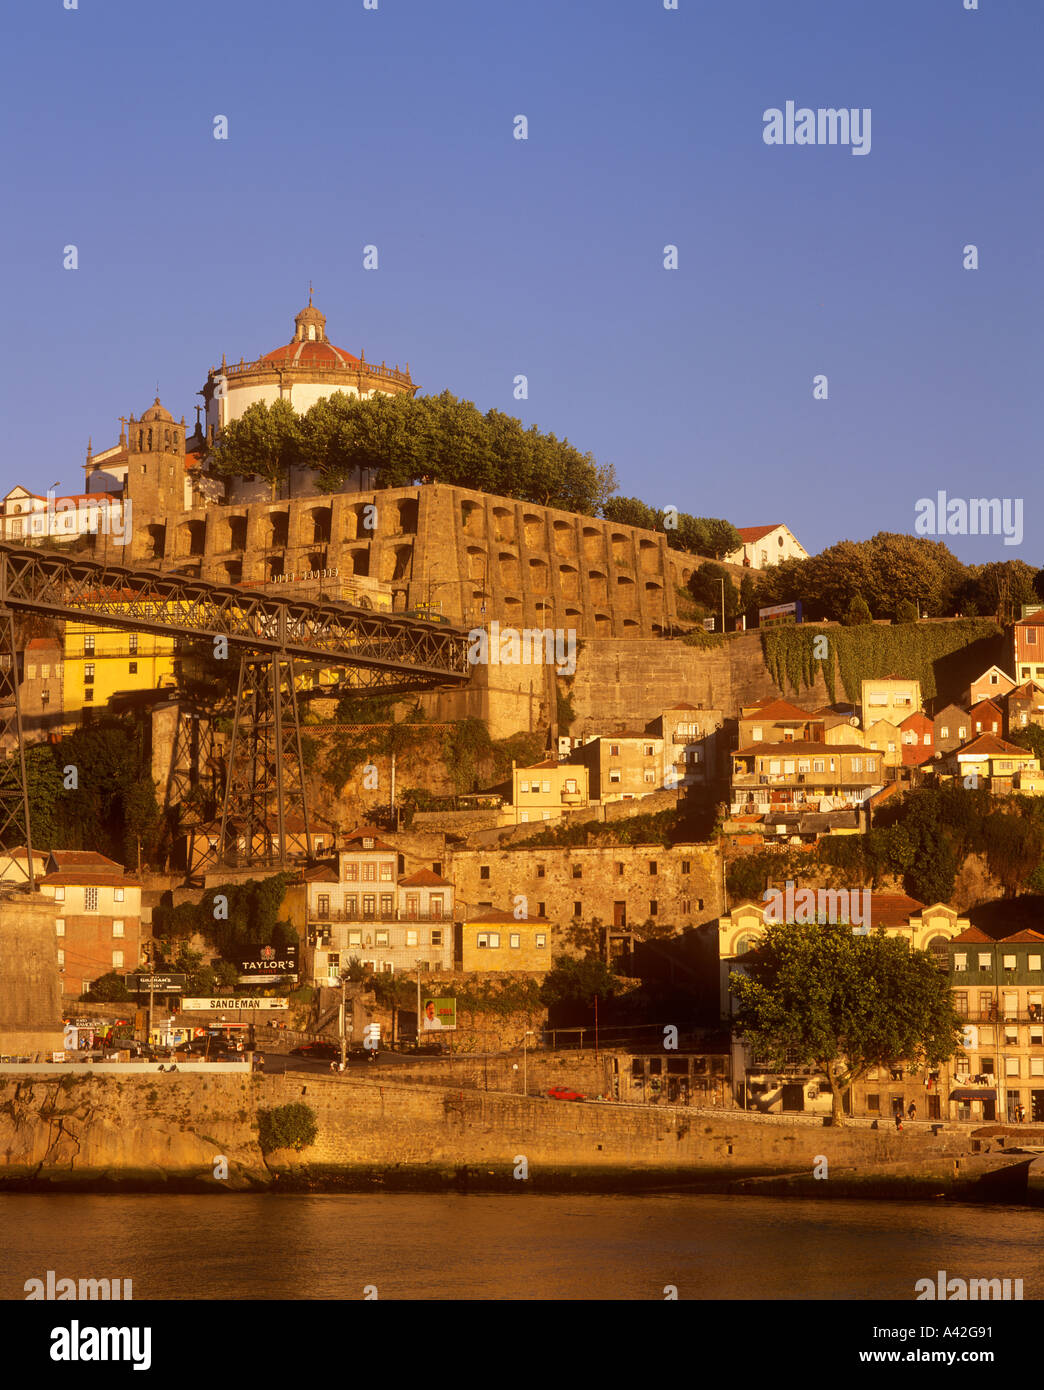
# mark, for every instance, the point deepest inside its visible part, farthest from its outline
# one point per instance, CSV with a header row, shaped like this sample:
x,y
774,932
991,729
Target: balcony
x,y
393,915
572,798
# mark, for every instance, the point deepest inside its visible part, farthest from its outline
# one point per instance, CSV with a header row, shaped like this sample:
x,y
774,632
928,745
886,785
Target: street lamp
x,y
525,1061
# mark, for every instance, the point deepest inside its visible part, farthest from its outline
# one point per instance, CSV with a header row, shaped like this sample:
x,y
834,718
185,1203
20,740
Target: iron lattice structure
x,y
264,805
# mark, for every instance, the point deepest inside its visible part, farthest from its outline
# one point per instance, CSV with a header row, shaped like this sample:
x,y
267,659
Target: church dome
x,y
309,347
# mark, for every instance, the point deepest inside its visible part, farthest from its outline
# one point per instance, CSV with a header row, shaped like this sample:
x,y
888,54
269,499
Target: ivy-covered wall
x,y
871,651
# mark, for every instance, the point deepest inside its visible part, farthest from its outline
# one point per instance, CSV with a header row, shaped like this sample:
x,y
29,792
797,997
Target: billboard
x,y
266,963
220,1006
438,1015
161,984
779,613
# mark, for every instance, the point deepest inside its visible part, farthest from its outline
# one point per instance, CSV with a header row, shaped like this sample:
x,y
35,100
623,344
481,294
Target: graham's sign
x,y
224,1005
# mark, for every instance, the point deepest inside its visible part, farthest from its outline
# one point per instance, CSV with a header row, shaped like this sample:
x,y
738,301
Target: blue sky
x,y
545,257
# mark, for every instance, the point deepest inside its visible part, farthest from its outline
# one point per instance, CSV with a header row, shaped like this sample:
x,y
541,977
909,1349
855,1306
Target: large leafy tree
x,y
826,998
264,442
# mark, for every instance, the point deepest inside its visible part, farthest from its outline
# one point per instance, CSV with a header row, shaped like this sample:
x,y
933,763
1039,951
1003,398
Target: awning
x,y
975,1093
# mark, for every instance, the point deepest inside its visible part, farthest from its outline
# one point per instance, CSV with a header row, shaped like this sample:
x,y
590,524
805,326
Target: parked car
x,y
318,1051
564,1093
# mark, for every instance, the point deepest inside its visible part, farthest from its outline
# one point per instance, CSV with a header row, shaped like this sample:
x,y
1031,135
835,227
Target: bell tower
x,y
156,480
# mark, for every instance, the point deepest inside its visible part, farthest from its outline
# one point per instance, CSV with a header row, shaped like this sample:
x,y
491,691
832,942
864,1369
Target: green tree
x,y
108,988
821,996
857,612
264,442
574,982
906,612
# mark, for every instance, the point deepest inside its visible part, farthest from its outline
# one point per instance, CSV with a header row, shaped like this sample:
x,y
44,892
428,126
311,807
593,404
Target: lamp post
x,y
525,1061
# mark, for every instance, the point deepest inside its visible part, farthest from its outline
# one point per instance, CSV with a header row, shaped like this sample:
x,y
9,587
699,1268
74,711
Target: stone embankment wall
x,y
174,1129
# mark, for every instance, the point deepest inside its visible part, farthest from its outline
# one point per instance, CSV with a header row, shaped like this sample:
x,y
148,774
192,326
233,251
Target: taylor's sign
x,y
223,1005
267,960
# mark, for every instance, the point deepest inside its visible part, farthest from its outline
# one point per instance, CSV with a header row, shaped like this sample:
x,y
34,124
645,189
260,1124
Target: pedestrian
x,y
1022,1114
912,1111
898,1120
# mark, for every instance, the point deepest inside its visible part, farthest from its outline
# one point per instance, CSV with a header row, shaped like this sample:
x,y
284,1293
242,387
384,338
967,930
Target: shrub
x,y
287,1127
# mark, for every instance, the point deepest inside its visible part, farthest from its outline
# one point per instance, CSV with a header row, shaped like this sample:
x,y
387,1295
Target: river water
x,y
536,1247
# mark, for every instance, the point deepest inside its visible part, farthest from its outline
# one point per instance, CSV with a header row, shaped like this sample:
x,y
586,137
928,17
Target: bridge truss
x,y
264,802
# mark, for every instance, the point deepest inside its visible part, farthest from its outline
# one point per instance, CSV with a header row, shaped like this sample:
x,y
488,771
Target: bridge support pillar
x,y
15,829
265,812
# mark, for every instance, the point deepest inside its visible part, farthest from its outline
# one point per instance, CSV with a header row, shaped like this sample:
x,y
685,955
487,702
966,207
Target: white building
x,y
763,546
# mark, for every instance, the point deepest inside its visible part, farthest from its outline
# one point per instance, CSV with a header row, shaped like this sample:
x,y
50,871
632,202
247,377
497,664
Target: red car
x,y
564,1093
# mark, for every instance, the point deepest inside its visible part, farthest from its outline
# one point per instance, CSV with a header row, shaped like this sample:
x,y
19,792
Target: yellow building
x,y
103,661
998,765
542,792
495,940
893,698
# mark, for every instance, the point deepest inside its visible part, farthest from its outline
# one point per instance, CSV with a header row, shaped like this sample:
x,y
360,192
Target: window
x,y
944,732
369,873
117,927
482,940
59,894
523,817
133,668
1031,637
367,842
436,936
649,775
578,871
619,870
804,765
984,961
1036,1067
351,906
871,764
494,941
1033,963
857,764
652,866
1009,962
323,905
541,941
90,900
614,750
381,937
59,926
541,871
755,736
117,960
960,1002
61,959
541,909
818,765
333,960
133,641
1011,1066
355,938
614,774
516,940
649,750
387,904
686,866
88,694
962,732
654,907
351,873
117,895
577,909
524,786
873,1103
88,644
411,936
483,871
88,672
387,873
960,961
